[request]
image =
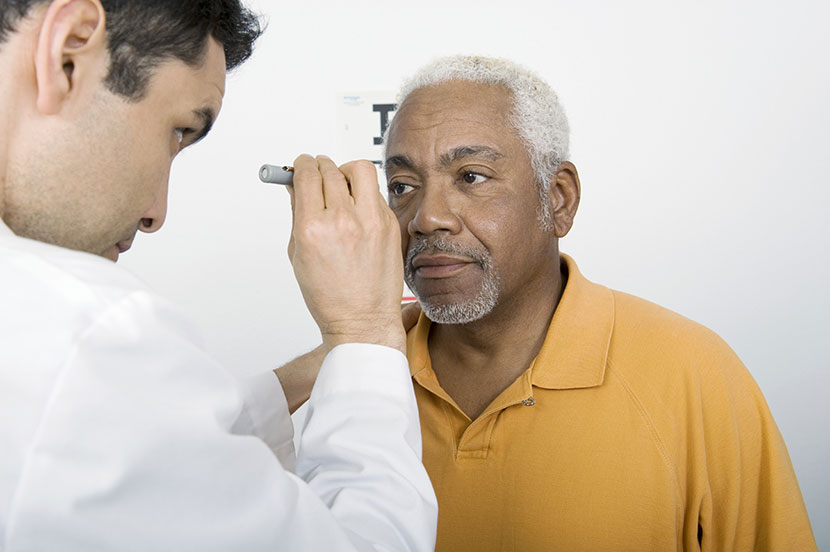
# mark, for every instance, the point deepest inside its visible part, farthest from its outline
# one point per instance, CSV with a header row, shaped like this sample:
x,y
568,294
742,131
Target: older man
x,y
558,414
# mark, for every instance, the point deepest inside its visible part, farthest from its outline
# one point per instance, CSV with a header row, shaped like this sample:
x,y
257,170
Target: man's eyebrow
x,y
207,117
461,152
448,158
400,161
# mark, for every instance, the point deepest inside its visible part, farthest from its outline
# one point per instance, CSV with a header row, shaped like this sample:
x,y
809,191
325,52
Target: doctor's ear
x,y
71,51
564,197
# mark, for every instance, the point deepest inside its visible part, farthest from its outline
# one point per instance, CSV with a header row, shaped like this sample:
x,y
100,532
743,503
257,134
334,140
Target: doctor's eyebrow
x,y
207,117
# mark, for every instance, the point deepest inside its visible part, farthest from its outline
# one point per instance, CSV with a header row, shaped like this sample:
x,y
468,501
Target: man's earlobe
x,y
71,41
564,196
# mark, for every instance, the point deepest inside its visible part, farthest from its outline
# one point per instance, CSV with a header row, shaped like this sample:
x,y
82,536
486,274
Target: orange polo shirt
x,y
633,429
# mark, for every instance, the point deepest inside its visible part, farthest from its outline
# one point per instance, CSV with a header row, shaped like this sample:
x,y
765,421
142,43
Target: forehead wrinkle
x,y
399,139
401,161
415,107
447,126
462,152
422,114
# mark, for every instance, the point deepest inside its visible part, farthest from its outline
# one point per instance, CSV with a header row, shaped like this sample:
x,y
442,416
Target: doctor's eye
x,y
181,133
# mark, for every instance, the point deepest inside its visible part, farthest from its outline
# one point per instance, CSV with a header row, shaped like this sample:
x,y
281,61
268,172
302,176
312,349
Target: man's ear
x,y
69,48
564,198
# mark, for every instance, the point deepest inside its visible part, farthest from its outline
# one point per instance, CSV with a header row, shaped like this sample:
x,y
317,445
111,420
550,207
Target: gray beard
x,y
457,313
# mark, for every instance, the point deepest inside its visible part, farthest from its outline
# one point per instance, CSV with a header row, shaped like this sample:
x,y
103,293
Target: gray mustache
x,y
446,246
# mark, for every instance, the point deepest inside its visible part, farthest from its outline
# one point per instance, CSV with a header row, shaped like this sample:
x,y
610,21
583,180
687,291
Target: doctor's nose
x,y
153,218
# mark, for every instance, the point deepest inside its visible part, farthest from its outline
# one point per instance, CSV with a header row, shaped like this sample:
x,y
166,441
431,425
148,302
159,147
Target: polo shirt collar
x,y
416,346
575,350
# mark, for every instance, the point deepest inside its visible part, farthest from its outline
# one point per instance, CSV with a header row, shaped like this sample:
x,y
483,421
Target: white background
x,y
700,132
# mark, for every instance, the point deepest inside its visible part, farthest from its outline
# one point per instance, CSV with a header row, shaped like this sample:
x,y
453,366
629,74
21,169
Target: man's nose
x,y
153,218
436,212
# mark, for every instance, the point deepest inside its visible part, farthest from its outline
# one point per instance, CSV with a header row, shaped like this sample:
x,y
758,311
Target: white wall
x,y
701,136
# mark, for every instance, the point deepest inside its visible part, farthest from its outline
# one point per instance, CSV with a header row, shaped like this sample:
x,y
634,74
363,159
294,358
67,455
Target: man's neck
x,y
475,362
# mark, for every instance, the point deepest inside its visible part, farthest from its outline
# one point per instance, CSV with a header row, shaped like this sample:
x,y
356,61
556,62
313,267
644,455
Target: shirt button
x,y
530,401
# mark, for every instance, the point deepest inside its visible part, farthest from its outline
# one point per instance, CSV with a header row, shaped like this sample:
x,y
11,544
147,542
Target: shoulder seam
x,y
655,434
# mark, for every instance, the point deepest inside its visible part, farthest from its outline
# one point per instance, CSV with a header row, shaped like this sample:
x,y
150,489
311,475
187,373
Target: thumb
x,y
290,190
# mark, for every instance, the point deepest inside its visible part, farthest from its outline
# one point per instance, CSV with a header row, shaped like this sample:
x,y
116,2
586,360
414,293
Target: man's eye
x,y
473,178
398,188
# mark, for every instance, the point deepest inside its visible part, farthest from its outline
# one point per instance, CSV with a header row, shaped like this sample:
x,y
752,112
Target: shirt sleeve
x,y
146,444
753,501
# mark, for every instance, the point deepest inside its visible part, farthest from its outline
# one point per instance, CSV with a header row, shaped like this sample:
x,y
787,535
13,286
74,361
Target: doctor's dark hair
x,y
141,34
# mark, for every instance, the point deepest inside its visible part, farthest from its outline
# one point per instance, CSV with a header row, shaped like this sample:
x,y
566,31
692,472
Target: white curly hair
x,y
537,116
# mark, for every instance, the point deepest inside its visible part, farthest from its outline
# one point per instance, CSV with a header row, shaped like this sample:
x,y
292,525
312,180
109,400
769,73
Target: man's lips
x,y
439,266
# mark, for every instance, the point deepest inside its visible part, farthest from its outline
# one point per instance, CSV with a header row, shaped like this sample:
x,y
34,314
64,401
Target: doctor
x,y
117,430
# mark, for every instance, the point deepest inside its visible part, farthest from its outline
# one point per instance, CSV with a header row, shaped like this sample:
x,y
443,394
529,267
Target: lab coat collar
x,y
5,231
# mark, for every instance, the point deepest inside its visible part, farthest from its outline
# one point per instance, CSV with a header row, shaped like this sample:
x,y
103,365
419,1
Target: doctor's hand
x,y
346,252
298,376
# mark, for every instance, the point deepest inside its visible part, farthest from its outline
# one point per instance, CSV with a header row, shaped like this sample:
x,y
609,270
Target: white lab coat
x,y
118,432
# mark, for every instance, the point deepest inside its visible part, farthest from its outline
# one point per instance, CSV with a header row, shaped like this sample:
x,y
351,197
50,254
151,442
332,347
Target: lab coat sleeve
x,y
141,448
266,415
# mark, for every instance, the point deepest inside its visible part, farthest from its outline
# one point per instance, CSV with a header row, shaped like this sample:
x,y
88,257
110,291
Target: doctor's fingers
x,y
363,180
290,190
308,199
335,184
